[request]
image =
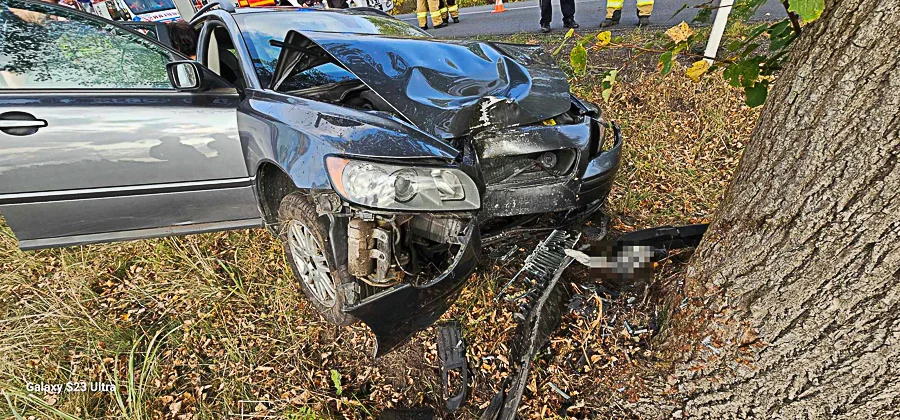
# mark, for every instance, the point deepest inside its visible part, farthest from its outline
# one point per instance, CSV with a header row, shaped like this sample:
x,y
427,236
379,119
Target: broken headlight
x,y
395,187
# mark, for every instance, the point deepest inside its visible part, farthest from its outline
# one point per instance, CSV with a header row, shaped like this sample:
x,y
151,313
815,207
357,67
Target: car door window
x,y
221,55
47,47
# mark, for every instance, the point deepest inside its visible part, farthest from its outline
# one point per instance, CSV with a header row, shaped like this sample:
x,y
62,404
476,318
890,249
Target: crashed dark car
x,y
379,155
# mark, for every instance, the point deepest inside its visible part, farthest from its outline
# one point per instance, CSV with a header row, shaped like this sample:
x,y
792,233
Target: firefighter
x,y
449,10
614,12
422,9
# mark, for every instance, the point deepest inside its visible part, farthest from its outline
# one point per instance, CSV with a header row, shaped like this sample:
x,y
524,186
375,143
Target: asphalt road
x,y
524,17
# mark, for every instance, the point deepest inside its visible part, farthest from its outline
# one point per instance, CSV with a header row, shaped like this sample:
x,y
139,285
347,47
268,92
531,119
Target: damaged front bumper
x,y
395,313
583,183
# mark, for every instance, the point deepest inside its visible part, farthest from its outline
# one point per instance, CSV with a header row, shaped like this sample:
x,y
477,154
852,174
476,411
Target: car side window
x,y
47,47
221,55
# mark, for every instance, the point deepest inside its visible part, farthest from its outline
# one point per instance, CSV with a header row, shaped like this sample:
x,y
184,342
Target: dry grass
x,y
232,326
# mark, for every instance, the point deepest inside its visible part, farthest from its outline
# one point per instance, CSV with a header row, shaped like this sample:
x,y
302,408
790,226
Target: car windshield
x,y
139,7
258,29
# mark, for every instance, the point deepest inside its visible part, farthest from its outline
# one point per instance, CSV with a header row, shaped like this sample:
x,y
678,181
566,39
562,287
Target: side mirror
x,y
185,75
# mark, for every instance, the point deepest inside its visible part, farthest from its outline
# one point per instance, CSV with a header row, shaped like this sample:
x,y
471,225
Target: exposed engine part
x,y
437,229
327,202
384,250
382,256
370,251
359,234
547,160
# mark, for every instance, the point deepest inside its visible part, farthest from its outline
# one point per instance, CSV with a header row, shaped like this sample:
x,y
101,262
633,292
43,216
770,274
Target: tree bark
x,y
797,282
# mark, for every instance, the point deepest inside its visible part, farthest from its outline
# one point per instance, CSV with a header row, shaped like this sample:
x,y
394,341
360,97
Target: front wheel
x,y
304,234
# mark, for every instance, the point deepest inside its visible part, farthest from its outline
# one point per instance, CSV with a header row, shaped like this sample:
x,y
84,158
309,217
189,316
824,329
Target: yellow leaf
x,y
603,38
698,69
680,32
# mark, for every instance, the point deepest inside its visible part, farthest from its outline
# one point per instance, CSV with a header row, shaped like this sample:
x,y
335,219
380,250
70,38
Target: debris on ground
x,y
454,367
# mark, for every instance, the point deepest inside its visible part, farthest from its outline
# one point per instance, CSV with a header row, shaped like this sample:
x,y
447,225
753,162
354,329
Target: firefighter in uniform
x,y
422,9
614,12
450,10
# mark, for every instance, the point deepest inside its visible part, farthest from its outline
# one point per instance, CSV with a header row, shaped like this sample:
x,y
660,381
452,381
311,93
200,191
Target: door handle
x,y
20,123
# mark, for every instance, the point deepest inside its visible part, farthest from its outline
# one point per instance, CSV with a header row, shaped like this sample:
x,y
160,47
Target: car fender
x,y
297,134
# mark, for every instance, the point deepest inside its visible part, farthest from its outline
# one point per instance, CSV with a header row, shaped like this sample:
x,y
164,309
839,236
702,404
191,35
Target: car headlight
x,y
395,187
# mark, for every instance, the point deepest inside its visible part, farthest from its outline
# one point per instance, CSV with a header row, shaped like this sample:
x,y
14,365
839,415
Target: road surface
x,y
524,17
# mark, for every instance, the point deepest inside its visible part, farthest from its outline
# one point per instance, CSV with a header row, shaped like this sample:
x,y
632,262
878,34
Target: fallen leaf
x,y
699,68
680,33
603,38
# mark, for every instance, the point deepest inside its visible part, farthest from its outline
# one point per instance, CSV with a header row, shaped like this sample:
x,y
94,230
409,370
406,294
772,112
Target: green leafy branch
x,y
744,66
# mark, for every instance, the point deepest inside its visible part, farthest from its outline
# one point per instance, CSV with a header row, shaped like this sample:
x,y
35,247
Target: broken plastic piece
x,y
454,367
560,392
665,238
544,305
546,258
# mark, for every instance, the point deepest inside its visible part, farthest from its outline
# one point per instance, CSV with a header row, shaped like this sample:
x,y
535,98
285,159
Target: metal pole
x,y
718,28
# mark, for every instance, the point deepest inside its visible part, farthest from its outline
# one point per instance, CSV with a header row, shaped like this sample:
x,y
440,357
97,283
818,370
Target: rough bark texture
x,y
800,272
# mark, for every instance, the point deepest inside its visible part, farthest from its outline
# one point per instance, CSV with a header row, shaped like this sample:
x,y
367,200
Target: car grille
x,y
530,167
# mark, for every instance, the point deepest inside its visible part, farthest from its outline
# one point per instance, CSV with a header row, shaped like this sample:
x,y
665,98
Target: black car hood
x,y
451,88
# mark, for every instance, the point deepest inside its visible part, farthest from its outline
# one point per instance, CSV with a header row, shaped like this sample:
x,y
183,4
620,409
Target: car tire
x,y
304,234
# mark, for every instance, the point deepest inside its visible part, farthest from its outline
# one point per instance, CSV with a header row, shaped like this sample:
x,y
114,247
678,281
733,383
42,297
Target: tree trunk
x,y
798,279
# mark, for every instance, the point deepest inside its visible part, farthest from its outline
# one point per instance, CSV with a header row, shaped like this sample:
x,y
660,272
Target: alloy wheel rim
x,y
312,266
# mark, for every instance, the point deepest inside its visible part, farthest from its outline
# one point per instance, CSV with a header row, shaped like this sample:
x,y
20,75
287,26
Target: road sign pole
x,y
718,28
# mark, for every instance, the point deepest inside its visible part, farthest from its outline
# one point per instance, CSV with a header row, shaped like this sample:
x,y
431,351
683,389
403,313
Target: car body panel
x,y
109,139
114,218
450,88
346,21
532,139
109,162
292,132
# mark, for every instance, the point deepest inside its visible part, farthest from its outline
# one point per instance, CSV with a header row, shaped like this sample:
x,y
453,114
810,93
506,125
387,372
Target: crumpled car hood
x,y
451,88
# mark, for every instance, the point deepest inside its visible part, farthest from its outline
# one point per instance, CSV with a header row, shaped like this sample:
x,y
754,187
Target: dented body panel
x,y
451,88
297,133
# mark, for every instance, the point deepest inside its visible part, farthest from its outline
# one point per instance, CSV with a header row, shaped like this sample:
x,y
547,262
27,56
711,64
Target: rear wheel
x,y
326,283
